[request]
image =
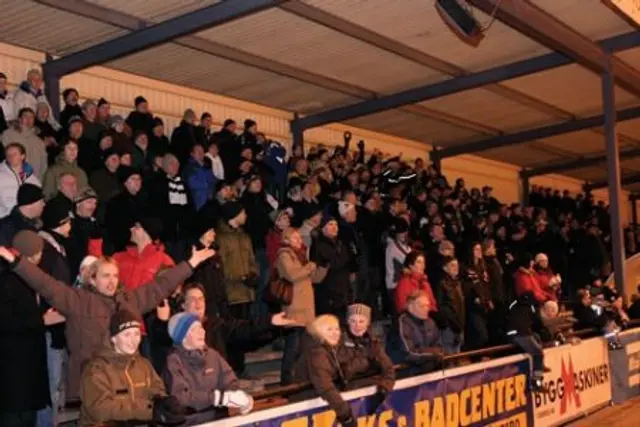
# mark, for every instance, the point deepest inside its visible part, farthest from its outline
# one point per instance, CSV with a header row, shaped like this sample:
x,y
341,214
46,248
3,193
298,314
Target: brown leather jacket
x,y
88,312
117,388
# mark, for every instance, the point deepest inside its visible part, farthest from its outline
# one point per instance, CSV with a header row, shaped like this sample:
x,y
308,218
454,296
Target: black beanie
x,y
122,320
55,213
28,194
230,210
125,172
220,184
153,227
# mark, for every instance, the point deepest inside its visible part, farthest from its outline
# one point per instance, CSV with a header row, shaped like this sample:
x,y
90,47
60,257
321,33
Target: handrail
x,y
291,389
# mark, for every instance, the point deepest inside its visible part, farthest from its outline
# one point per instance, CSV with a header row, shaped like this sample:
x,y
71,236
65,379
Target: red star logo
x,y
570,392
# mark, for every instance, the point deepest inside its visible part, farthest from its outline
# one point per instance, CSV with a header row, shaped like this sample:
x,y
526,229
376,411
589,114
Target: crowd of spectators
x,y
139,269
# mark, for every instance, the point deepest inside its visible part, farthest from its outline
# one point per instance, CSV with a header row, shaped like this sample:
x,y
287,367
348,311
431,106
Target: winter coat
x,y
334,292
121,213
200,181
276,158
14,222
544,278
412,340
216,166
477,288
524,319
302,307
24,384
170,200
77,245
138,268
192,376
367,356
321,365
7,108
106,184
258,221
229,149
273,242
210,275
88,312
34,146
526,281
68,112
89,154
409,283
395,254
499,292
117,387
26,97
451,303
62,166
137,121
10,182
92,130
588,318
183,138
239,262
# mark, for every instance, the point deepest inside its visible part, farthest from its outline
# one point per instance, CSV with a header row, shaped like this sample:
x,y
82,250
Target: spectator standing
x,y
85,228
526,281
105,180
413,279
396,251
24,133
119,385
92,127
185,136
205,135
14,172
333,291
158,140
140,119
46,131
236,252
229,147
216,162
103,116
7,112
273,239
479,304
121,141
24,385
66,164
451,303
25,215
71,107
87,310
199,177
548,280
30,92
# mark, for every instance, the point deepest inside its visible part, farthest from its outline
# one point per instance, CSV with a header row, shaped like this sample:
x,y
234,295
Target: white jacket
x,y
394,257
216,166
6,104
36,150
24,98
9,184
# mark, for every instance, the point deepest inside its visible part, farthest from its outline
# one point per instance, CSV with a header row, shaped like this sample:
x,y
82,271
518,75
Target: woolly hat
x,y
139,100
85,194
115,120
27,242
125,172
230,210
108,153
152,226
344,207
327,218
73,120
55,214
123,320
179,326
28,194
361,309
220,184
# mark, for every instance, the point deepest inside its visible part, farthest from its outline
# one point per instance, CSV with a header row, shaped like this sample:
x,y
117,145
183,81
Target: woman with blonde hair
x,y
293,266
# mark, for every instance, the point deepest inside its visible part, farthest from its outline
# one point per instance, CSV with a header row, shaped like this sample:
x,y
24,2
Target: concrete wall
x,y
169,102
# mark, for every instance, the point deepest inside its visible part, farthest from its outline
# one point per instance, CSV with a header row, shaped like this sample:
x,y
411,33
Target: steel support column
x,y
634,209
613,170
524,188
52,89
436,160
297,133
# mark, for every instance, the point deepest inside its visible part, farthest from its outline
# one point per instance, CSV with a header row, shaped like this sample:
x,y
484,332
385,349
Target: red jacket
x,y
273,242
527,281
408,283
138,268
544,277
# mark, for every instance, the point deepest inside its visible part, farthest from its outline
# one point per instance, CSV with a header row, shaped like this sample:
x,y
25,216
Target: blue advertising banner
x,y
625,367
486,394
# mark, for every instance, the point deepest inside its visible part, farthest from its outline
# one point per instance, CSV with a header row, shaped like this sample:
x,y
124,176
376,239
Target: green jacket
x,y
51,177
238,262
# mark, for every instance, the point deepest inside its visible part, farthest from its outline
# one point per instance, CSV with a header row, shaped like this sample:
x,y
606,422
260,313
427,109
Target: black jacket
x,y
77,245
524,319
229,149
13,223
588,318
183,138
24,384
68,112
210,275
138,121
451,303
334,292
176,219
122,212
258,220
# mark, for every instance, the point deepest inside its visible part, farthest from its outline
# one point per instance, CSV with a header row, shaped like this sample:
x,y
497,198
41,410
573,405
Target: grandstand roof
x,y
312,56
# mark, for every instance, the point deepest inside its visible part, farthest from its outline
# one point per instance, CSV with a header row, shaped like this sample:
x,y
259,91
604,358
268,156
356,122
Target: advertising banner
x,y
579,381
625,367
485,394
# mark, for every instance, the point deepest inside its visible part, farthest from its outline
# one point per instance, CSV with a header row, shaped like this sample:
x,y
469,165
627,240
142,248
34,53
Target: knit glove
x,y
233,399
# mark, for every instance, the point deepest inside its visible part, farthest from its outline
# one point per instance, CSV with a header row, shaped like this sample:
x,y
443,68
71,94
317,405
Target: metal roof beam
x,y
583,162
628,180
457,84
154,35
537,133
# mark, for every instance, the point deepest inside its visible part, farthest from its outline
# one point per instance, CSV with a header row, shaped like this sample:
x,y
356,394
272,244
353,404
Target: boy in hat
x,y
196,374
25,215
120,385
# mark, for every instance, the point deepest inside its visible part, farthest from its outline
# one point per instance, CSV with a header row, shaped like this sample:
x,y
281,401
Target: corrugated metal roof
x,y
188,67
592,174
589,17
583,142
572,88
416,24
47,29
522,155
155,10
482,106
321,50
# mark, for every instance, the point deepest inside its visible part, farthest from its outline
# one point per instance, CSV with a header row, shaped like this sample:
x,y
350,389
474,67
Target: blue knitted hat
x,y
179,326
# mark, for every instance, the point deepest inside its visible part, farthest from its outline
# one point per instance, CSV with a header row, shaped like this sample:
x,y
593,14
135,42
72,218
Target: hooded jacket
x,y
88,312
409,283
526,281
117,387
239,262
10,182
192,376
34,146
26,97
62,166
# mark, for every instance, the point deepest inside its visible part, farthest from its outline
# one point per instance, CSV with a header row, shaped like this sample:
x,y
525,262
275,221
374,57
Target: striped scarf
x,y
177,191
